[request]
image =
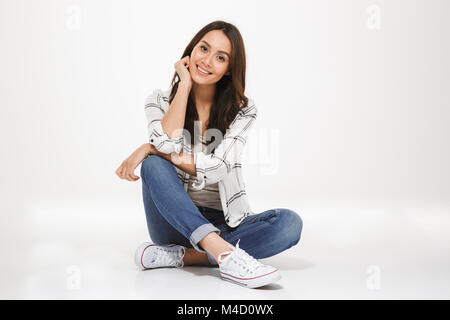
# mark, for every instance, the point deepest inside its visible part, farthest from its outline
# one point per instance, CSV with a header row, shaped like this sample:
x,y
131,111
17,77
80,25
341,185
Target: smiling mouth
x,y
203,71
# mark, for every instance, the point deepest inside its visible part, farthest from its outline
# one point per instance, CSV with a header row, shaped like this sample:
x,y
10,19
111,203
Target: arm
x,y
173,120
183,161
160,120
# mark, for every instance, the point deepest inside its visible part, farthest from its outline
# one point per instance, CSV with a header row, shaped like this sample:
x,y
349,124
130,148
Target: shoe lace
x,y
245,261
168,259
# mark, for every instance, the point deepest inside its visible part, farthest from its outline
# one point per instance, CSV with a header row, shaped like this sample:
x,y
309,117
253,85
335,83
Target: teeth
x,y
204,71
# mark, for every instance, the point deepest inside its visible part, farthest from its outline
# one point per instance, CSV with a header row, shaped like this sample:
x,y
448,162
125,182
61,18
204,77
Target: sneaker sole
x,y
253,282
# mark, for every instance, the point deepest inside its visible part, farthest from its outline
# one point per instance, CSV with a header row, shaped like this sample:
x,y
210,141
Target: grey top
x,y
209,196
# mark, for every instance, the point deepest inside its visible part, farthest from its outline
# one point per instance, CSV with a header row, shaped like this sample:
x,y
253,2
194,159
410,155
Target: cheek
x,y
196,54
223,69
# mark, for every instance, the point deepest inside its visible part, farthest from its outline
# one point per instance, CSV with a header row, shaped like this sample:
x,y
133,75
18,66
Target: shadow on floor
x,y
288,263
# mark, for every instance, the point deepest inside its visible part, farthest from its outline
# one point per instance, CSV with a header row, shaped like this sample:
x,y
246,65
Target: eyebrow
x,y
224,52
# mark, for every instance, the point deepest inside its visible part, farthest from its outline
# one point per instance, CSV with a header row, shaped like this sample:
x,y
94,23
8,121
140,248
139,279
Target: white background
x,y
352,134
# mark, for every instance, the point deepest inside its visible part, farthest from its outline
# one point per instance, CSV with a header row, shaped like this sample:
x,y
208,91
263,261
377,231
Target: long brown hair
x,y
229,96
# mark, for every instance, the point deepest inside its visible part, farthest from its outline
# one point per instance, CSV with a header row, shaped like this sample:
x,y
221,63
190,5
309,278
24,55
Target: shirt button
x,y
204,177
151,140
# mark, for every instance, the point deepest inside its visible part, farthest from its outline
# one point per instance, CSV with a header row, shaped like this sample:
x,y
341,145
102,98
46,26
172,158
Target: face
x,y
212,54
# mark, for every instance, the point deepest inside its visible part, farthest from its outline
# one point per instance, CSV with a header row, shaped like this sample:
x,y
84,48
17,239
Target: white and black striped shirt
x,y
223,166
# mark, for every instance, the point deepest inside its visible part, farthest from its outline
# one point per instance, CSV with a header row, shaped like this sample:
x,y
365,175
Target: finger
x,y
122,172
125,174
133,176
118,171
129,175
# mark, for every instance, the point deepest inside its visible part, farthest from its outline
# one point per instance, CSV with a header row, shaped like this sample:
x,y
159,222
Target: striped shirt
x,y
223,167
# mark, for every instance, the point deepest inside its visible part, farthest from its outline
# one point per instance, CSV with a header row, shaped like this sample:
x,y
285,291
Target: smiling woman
x,y
219,50
197,209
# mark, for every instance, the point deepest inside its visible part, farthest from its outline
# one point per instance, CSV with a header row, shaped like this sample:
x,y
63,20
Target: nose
x,y
207,60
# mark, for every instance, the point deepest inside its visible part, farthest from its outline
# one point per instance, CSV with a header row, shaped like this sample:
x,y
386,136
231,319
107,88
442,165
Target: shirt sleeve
x,y
155,111
213,167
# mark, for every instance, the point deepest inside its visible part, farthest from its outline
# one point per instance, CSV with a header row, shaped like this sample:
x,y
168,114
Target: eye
x,y
221,57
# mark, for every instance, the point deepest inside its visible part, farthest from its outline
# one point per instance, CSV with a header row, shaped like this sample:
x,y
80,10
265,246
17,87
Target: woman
x,y
196,207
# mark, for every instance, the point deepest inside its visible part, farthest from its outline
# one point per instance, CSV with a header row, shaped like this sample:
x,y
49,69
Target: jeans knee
x,y
156,237
294,226
151,166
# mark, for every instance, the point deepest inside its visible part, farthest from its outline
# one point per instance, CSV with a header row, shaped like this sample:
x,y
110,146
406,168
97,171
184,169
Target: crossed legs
x,y
172,218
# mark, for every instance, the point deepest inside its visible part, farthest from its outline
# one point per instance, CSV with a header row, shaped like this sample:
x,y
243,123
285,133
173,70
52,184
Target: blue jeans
x,y
172,217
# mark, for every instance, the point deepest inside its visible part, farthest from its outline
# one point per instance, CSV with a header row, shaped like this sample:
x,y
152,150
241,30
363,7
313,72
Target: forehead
x,y
218,41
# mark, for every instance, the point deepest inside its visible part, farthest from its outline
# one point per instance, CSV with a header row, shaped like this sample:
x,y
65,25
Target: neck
x,y
203,97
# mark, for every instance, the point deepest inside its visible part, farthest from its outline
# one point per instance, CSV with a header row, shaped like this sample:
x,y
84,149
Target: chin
x,y
200,80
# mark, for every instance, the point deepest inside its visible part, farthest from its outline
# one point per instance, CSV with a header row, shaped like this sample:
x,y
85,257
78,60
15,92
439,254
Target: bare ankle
x,y
192,257
215,245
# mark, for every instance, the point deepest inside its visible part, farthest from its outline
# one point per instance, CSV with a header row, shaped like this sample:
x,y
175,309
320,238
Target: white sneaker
x,y
241,268
150,256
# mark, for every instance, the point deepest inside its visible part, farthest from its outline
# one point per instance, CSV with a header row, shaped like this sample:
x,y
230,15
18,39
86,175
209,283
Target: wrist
x,y
185,85
148,148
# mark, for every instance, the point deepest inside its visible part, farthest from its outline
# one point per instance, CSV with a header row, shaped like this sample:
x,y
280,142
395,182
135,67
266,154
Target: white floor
x,y
85,251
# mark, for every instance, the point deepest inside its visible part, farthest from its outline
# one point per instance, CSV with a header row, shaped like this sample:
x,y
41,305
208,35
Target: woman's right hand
x,y
182,69
127,167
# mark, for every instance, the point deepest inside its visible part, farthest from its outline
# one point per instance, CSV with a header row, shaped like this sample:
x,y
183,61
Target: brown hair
x,y
229,96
